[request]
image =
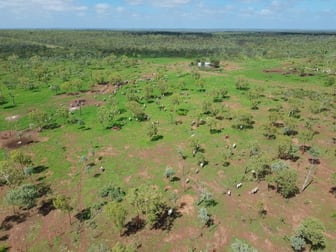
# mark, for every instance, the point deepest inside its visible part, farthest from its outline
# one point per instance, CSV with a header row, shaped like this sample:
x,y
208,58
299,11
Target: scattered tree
x,y
204,216
137,110
23,196
153,130
115,193
62,203
285,181
312,231
169,173
117,214
242,246
105,116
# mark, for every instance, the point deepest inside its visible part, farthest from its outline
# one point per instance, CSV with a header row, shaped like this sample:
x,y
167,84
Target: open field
x,y
158,134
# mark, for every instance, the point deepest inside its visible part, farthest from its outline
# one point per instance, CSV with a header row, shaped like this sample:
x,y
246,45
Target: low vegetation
x,y
167,141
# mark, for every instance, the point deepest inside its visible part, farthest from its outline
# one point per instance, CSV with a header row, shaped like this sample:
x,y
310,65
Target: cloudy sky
x,y
155,14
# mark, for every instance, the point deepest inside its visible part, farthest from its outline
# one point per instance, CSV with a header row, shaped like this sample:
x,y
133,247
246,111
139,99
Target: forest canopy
x,y
26,43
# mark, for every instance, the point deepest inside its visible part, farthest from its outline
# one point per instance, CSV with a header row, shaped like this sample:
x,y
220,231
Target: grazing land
x,y
167,141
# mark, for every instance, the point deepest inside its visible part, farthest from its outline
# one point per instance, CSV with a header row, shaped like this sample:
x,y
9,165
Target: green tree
x,y
286,150
269,131
204,216
195,146
242,246
312,231
117,214
100,76
306,136
242,84
206,198
298,243
62,203
105,116
41,119
243,121
163,87
10,173
169,173
153,130
260,167
137,110
285,181
63,113
21,159
23,196
148,91
115,193
114,78
149,201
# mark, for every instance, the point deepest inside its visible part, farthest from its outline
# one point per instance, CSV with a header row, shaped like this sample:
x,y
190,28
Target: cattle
x,y
254,190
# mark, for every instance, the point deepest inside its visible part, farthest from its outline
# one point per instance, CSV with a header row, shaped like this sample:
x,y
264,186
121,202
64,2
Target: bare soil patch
x,y
11,139
187,205
287,71
103,89
230,66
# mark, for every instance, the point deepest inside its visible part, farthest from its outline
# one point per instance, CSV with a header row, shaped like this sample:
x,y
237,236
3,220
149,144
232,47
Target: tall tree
x,y
62,203
117,214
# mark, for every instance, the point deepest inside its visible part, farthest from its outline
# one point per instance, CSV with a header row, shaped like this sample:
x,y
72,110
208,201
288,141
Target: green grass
x,y
131,159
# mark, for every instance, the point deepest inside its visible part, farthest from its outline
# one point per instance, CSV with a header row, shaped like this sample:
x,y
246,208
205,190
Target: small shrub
x,y
297,243
242,246
113,192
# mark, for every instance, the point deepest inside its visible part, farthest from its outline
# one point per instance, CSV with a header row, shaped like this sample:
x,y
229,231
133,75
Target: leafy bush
x,y
203,215
242,246
312,231
23,196
278,165
113,192
286,182
297,243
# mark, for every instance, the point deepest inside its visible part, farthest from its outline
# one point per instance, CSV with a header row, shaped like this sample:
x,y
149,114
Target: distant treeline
x,y
100,43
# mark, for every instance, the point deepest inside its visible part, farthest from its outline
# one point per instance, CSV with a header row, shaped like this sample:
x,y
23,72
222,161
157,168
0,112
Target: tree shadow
x,y
134,225
215,131
314,161
168,93
156,138
39,169
41,178
52,126
84,215
4,238
8,222
9,106
165,221
43,189
46,207
217,99
97,175
210,222
175,179
333,191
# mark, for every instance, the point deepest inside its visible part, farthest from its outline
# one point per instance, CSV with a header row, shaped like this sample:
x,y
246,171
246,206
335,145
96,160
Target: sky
x,y
169,14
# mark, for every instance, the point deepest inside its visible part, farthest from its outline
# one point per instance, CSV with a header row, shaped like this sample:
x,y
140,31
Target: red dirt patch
x,y
11,139
104,89
229,66
186,203
287,71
